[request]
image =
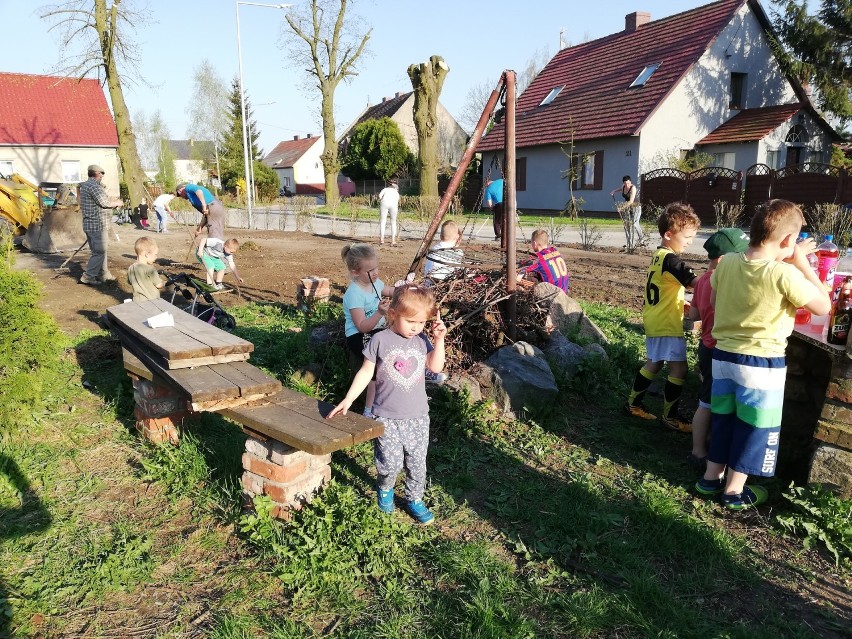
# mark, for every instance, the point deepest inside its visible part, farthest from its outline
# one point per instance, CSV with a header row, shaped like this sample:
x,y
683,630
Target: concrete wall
x,y
44,163
699,103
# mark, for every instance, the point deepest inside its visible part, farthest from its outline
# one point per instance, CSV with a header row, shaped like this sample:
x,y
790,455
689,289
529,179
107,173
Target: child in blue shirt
x,y
363,307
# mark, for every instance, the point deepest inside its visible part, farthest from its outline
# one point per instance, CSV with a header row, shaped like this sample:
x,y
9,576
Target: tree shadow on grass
x,y
625,555
30,516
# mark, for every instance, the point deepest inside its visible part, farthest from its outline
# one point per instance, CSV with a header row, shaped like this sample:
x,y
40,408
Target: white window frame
x,y
11,165
773,158
587,178
550,97
725,159
644,75
68,176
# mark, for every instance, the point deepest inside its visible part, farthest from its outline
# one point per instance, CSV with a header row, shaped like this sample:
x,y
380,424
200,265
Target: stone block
x,y
836,412
518,378
832,467
252,483
836,433
259,449
285,455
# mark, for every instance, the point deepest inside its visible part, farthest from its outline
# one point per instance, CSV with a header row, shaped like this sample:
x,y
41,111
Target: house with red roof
x,y
52,128
702,80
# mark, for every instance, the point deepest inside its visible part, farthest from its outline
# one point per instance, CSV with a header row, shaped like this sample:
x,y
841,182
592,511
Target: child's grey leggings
x,y
403,445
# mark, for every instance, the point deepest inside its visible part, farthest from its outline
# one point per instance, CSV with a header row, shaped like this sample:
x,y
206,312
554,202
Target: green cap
x,y
726,241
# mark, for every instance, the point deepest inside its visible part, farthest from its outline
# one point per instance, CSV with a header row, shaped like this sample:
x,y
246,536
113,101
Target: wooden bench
x,y
195,367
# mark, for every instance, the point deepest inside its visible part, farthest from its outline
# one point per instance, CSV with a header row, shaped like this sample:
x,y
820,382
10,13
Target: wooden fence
x,y
806,184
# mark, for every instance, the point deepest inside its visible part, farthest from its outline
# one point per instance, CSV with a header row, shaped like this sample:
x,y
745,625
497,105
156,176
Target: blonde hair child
x,y
397,357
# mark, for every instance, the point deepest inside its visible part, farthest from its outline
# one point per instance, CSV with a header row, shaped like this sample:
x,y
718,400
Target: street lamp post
x,y
248,168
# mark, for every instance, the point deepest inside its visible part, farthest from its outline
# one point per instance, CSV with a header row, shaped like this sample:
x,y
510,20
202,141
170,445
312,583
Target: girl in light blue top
x,y
363,307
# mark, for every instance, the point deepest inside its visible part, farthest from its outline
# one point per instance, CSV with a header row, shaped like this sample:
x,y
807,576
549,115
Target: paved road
x,y
278,218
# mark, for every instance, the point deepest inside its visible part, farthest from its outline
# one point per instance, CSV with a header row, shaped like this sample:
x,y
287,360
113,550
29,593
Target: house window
x,y
645,75
551,96
738,90
589,170
773,159
521,174
71,171
285,181
724,160
6,167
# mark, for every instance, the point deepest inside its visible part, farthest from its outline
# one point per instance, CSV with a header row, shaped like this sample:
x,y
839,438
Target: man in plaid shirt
x,y
96,207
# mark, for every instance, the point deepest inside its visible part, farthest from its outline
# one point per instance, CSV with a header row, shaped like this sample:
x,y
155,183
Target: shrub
x,y
728,216
30,343
590,234
821,518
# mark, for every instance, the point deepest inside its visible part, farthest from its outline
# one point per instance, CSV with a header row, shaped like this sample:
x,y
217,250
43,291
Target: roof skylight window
x,y
551,96
646,74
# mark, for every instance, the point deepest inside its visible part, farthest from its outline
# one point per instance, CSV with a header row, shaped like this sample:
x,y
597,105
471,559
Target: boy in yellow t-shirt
x,y
755,296
662,315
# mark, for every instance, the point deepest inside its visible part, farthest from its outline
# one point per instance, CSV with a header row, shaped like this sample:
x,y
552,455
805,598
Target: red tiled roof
x,y
752,124
596,101
288,152
48,110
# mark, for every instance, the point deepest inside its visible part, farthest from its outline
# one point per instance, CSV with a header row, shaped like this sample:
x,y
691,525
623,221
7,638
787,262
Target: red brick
x,y
837,412
840,389
273,472
161,406
253,483
297,491
834,433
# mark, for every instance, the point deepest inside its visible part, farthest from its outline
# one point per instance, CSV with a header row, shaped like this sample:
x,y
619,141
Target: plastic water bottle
x,y
844,270
813,260
828,254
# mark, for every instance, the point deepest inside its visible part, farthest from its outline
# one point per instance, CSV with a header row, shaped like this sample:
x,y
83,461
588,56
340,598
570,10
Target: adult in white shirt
x,y
161,208
388,203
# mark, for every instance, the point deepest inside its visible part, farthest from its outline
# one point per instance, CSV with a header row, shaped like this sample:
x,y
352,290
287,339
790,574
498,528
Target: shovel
x,y
63,268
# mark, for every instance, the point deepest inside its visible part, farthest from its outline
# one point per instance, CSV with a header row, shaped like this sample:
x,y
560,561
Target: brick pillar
x,y
290,477
831,464
159,411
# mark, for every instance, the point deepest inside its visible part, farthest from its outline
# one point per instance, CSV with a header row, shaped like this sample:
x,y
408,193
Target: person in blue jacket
x,y
493,199
212,211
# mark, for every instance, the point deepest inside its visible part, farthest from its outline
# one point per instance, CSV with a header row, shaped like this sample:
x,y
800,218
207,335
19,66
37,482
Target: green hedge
x,y
30,343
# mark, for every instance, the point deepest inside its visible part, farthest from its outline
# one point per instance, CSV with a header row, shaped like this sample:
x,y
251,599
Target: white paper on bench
x,y
161,320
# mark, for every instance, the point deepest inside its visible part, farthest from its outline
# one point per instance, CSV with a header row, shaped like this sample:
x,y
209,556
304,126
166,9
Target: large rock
x,y
518,378
565,356
465,382
832,467
565,314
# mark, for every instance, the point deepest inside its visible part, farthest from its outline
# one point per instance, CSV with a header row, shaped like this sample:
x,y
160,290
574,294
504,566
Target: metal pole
x,y
458,175
510,208
243,111
218,171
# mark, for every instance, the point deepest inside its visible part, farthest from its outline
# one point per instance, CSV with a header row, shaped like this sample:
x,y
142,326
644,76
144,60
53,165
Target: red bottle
x,y
841,316
828,254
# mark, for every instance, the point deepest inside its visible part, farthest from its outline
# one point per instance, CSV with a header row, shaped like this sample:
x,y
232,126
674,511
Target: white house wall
x,y
308,168
190,171
699,102
819,144
44,163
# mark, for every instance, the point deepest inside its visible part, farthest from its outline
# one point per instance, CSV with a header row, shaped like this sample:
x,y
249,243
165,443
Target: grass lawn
x,y
573,522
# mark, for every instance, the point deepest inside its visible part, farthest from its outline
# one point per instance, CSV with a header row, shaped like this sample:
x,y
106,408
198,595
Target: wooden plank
x,y
221,404
313,436
168,341
361,428
249,379
220,342
134,365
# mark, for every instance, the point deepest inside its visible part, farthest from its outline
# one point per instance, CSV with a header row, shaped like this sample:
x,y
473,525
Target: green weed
x,y
820,517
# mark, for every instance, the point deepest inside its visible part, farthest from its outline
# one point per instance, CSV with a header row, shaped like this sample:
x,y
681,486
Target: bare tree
x,y
208,108
99,28
427,79
152,131
478,94
330,46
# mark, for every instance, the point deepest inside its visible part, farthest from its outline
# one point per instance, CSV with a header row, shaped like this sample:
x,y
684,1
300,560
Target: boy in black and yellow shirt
x,y
662,315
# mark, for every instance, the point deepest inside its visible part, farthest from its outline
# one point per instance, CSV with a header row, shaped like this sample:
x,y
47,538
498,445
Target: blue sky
x,y
477,39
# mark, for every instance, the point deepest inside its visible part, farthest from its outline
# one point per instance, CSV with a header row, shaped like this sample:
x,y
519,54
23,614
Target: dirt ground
x,y
271,262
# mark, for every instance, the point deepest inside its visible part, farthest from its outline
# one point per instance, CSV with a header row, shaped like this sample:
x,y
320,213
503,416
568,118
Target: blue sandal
x,y
750,497
710,487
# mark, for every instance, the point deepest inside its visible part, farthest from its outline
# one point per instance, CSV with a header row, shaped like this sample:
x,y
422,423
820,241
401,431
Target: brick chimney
x,y
384,100
309,136
397,94
633,21
295,137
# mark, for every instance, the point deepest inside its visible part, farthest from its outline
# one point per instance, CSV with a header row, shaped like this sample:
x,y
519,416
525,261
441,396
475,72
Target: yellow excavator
x,y
49,225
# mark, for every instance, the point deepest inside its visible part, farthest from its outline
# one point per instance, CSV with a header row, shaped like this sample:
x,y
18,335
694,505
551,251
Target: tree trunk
x,y
330,161
427,79
134,176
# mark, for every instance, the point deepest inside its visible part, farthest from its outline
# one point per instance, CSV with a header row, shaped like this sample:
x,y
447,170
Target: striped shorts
x,y
746,402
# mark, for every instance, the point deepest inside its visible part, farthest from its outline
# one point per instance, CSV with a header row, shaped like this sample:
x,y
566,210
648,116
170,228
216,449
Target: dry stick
x,y
476,312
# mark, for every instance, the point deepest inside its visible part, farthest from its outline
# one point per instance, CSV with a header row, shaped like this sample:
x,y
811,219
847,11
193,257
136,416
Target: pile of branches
x,y
473,306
